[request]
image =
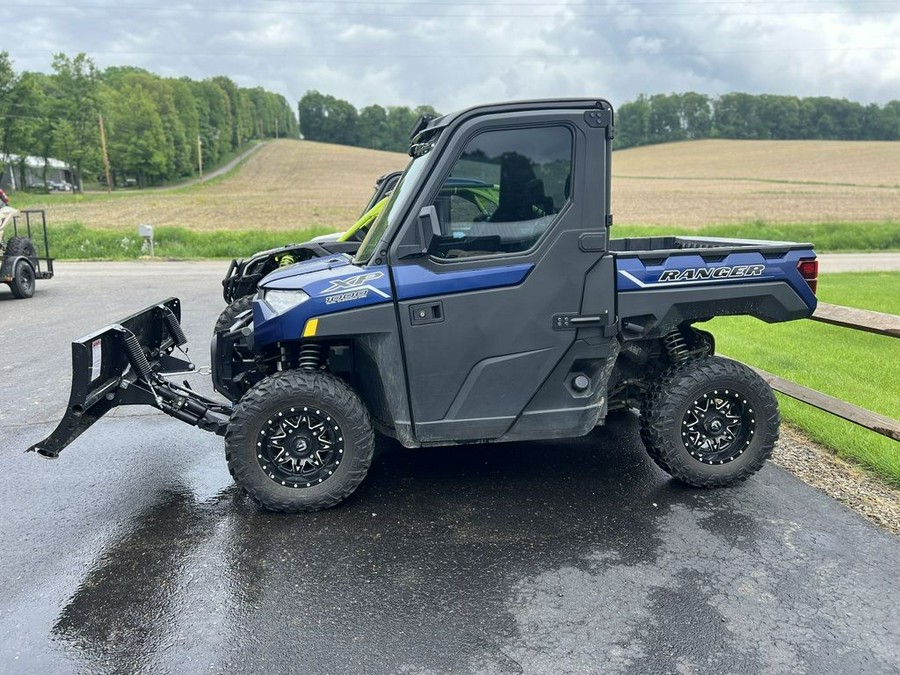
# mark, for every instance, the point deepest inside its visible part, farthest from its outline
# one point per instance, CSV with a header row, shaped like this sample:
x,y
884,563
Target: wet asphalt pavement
x,y
134,552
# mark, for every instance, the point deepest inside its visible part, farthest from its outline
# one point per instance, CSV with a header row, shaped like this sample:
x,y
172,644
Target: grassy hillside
x,y
839,195
288,184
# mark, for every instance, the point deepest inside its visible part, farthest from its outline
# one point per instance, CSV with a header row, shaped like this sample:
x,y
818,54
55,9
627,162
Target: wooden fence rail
x,y
852,413
857,319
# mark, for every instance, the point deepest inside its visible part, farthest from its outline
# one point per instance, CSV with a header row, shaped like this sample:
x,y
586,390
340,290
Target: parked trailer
x,y
22,261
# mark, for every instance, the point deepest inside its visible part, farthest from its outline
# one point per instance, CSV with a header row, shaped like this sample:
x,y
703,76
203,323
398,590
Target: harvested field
x,y
719,181
292,184
288,184
873,163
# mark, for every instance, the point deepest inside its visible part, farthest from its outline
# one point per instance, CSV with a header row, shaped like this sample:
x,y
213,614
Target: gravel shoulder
x,y
871,497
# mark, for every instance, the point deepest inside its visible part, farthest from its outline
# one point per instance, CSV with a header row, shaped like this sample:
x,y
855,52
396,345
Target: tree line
x,y
152,124
664,118
661,118
332,120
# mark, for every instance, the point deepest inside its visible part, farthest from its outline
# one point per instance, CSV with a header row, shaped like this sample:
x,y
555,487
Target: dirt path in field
x,y
225,168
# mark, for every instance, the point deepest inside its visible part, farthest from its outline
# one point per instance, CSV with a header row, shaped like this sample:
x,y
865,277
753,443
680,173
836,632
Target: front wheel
x,y
230,313
244,371
710,422
299,441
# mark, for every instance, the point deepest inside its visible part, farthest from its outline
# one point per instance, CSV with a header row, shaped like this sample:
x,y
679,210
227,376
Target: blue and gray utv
x,y
487,303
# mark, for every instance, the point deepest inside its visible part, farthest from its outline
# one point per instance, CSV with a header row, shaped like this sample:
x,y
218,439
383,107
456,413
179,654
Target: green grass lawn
x,y
76,242
851,365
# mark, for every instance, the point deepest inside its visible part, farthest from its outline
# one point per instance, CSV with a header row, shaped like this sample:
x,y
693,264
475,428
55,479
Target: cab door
x,y
479,314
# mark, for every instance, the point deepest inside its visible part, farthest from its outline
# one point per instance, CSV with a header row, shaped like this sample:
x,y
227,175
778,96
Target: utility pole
x,y
200,156
105,156
276,128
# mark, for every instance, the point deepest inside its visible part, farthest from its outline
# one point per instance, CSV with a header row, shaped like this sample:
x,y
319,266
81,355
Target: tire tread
x,y
310,385
661,421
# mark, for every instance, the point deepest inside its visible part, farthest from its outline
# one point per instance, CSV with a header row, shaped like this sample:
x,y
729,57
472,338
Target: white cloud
x,y
459,52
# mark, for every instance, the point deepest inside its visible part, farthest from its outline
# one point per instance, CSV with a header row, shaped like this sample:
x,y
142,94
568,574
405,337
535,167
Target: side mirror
x,y
427,227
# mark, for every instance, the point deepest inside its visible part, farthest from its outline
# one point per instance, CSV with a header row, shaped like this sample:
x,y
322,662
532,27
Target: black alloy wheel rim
x,y
300,447
718,427
25,277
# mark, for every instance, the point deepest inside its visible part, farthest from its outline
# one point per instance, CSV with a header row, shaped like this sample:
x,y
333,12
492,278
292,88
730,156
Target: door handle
x,y
426,312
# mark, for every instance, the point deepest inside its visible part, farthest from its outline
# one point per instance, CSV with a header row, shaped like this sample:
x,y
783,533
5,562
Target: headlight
x,y
281,301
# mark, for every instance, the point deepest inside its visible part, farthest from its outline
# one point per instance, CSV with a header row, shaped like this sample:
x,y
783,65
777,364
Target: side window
x,y
503,191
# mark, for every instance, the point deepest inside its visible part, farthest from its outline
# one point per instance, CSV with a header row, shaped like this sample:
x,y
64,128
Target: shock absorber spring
x,y
676,346
310,356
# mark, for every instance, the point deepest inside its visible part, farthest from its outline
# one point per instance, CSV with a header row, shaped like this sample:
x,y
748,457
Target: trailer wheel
x,y
299,441
710,422
22,284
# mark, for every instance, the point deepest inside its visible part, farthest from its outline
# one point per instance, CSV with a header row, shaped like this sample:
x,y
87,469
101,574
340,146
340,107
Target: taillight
x,y
809,270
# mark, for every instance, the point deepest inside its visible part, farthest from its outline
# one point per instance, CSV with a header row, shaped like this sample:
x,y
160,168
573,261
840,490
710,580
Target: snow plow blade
x,y
125,364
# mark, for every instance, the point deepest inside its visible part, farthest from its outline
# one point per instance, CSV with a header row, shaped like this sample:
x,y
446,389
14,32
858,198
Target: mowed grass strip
x,y
850,365
74,241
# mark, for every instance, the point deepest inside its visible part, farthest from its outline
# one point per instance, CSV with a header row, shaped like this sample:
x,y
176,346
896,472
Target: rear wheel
x,y
22,284
710,422
299,441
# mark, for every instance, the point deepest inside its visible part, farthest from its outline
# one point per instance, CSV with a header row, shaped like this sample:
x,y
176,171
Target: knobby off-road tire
x,y
21,246
22,284
299,441
228,315
710,422
225,321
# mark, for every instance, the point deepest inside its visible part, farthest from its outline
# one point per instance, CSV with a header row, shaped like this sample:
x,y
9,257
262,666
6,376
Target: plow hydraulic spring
x,y
179,402
136,355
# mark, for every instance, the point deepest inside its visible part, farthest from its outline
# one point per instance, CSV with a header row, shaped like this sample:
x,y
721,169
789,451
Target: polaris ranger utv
x,y
454,326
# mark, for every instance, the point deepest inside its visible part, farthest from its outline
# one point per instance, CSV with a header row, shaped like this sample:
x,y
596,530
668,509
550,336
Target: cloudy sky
x,y
454,53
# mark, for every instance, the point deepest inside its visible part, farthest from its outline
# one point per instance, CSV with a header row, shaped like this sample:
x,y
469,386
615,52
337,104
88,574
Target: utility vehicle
x,y
458,323
20,265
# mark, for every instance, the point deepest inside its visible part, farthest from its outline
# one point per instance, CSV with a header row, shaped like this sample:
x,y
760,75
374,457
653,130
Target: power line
x,y
620,12
431,55
542,3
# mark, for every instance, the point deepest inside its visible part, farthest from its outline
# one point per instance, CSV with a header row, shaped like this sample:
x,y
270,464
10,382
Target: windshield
x,y
389,214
